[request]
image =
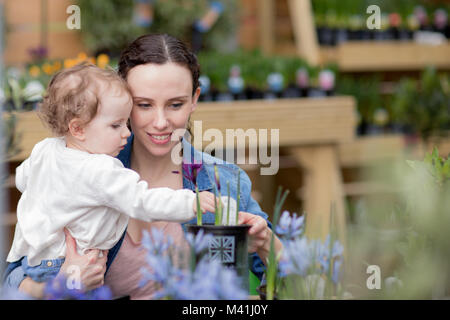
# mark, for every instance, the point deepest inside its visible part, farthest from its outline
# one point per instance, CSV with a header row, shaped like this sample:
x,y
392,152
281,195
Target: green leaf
x,y
446,169
435,154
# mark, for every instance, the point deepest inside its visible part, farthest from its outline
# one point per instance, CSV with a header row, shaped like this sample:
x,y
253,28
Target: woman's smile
x,y
161,138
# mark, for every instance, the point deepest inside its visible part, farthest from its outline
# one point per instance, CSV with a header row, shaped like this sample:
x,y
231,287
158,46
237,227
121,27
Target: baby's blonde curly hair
x,y
74,93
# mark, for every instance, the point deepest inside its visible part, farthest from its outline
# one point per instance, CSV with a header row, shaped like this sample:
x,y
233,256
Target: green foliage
x,y
272,263
425,104
366,91
337,13
177,17
416,247
438,168
10,135
109,26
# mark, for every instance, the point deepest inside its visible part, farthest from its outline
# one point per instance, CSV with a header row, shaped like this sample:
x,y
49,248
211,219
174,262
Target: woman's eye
x,y
144,105
177,105
115,126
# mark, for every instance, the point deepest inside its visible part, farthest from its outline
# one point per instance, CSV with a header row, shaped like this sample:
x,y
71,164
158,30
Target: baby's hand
x,y
206,202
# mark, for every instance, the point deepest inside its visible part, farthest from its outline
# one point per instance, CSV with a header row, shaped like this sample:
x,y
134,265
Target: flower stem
x,y
238,196
272,267
199,210
228,204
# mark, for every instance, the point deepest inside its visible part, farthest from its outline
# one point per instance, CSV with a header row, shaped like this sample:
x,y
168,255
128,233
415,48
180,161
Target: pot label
x,y
222,248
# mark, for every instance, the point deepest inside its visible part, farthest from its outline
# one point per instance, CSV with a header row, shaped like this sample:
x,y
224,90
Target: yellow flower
x,y
102,60
47,68
34,71
82,56
56,66
68,63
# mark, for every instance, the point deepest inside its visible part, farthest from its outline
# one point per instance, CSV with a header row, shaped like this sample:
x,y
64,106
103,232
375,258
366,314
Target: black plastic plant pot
x,y
229,245
341,36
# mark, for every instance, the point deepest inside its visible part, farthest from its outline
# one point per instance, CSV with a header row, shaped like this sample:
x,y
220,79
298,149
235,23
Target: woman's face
x,y
162,103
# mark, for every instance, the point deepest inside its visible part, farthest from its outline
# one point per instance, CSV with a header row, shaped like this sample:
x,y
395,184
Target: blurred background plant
x,y
24,88
424,104
107,25
340,21
406,236
366,91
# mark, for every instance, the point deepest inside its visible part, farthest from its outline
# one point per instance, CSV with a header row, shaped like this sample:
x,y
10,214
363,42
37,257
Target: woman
x,y
163,76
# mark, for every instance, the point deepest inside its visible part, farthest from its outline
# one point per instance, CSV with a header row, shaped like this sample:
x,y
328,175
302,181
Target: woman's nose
x,y
161,120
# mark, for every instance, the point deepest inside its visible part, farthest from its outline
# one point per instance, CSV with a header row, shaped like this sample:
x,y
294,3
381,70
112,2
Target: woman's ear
x,y
195,98
76,129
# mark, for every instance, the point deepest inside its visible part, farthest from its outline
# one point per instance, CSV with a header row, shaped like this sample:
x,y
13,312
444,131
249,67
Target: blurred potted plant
x,y
424,105
366,90
20,96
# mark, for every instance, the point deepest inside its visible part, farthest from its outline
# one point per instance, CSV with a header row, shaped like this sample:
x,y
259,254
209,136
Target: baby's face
x,y
107,132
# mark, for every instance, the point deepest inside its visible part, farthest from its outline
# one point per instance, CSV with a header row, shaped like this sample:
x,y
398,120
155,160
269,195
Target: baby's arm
x,y
122,190
22,173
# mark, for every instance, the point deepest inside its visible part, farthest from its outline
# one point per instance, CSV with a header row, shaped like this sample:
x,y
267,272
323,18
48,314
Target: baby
x,y
74,182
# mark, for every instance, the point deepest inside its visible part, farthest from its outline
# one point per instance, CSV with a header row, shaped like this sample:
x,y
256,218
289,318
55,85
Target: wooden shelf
x,y
361,56
300,121
369,56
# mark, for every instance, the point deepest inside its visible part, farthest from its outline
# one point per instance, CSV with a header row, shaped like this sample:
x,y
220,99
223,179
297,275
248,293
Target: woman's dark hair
x,y
159,49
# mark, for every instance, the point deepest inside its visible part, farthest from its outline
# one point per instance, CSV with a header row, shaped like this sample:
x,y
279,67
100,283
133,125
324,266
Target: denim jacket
x,y
13,276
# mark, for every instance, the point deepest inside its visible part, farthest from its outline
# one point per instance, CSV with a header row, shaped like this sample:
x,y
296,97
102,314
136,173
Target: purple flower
x,y
290,227
38,53
191,170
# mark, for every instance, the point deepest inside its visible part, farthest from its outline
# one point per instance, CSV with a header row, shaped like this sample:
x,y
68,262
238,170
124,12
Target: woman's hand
x,y
260,235
90,267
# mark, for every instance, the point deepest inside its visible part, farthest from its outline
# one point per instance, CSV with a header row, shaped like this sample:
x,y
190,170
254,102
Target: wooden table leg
x,y
323,189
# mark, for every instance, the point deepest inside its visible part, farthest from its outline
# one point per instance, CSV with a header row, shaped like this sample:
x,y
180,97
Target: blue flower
x,y
13,294
303,257
200,241
290,227
336,270
156,241
209,280
57,289
297,257
338,250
